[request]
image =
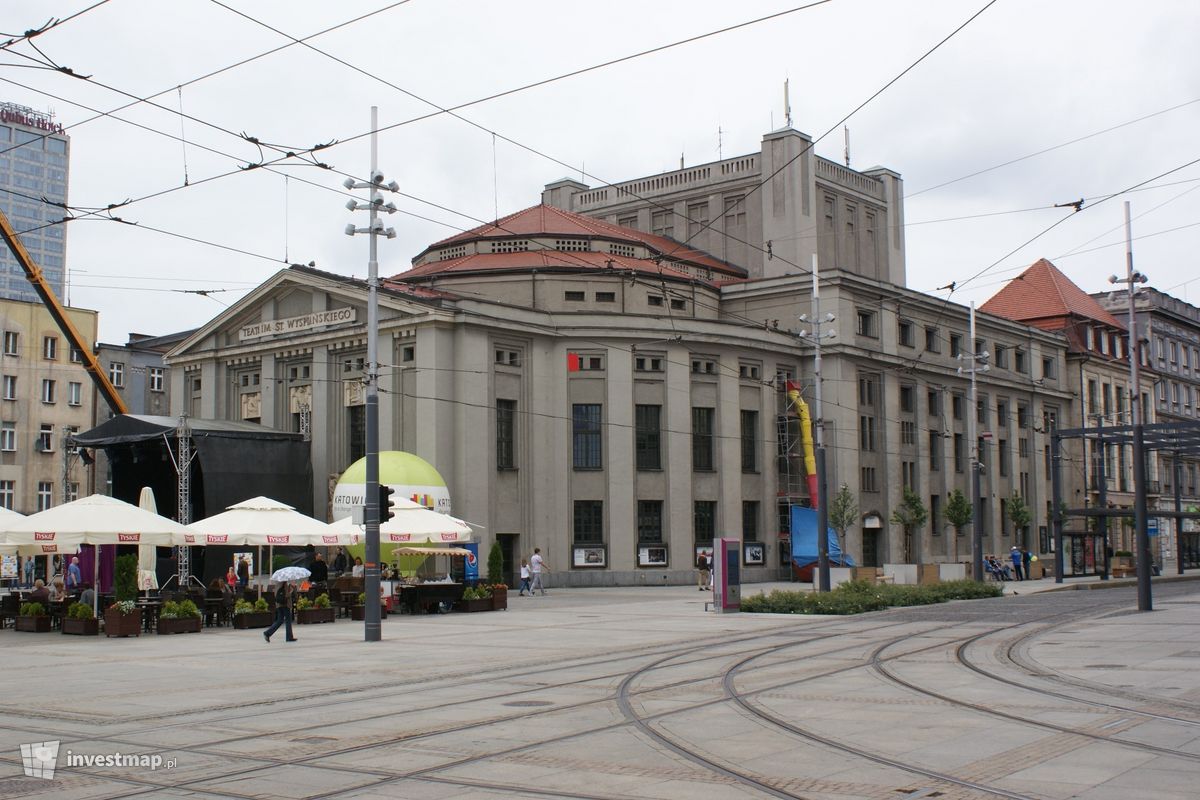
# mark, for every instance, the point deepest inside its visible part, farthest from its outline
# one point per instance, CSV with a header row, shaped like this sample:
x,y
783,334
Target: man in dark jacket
x,y
319,569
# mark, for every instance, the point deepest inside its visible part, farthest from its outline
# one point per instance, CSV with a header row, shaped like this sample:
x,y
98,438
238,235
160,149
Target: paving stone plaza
x,y
631,693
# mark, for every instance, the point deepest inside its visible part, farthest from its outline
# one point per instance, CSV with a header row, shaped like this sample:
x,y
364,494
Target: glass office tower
x,y
34,154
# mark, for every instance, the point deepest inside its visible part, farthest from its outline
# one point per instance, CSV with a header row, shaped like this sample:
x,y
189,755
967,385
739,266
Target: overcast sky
x,y
1025,76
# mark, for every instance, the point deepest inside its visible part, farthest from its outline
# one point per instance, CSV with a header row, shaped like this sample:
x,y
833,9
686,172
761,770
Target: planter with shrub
x,y
32,618
179,617
858,597
499,596
312,612
80,621
358,613
124,618
475,598
252,615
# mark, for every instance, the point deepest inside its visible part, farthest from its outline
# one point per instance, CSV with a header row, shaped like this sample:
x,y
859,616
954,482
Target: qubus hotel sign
x,y
317,319
30,119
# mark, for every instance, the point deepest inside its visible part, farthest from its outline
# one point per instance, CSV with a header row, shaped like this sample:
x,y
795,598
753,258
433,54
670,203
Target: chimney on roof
x,y
561,193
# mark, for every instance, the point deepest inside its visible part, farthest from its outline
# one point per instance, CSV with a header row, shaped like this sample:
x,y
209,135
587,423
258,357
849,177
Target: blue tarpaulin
x,y
804,540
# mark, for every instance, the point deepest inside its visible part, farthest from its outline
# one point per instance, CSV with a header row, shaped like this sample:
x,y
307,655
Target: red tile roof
x,y
1045,298
543,220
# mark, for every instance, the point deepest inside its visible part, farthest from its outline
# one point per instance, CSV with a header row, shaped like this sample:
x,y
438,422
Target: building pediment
x,y
292,306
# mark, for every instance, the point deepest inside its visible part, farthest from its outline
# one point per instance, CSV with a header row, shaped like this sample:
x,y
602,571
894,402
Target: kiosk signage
x,y
727,579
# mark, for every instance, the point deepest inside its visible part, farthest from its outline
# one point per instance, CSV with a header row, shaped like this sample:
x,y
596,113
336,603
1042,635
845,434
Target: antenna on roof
x,y
846,131
719,156
787,105
681,159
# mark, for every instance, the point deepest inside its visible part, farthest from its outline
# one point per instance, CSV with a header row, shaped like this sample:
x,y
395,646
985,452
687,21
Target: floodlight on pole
x,y
374,229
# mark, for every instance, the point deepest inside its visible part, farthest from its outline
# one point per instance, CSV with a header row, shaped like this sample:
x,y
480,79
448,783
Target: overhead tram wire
x,y
1052,148
464,105
805,150
496,134
46,28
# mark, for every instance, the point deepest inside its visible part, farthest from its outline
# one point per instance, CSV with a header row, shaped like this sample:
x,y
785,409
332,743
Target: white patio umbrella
x,y
261,521
412,524
147,554
96,519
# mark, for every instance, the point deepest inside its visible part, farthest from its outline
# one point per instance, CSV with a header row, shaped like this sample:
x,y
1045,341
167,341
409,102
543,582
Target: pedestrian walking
x,y
74,579
525,579
29,572
537,566
703,572
283,612
1017,561
1026,560
243,571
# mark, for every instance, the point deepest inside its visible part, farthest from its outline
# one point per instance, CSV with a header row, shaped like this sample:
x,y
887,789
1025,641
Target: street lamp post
x,y
975,356
822,498
1133,351
373,629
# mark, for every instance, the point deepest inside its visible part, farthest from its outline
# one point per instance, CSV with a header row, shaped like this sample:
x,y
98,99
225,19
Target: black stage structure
x,y
1178,439
229,462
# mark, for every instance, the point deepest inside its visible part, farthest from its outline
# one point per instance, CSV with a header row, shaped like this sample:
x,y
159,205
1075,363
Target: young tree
x,y
495,564
1020,515
843,512
959,514
911,515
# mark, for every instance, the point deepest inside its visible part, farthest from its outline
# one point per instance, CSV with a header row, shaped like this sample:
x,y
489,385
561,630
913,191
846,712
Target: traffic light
x,y
386,504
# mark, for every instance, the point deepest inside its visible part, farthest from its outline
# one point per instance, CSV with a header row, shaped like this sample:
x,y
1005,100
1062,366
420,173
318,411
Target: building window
x,y
867,480
908,474
156,379
1000,357
50,348
1002,456
11,339
589,522
1002,414
649,521
648,437
506,421
574,297
116,374
46,439
76,356
749,372
678,305
704,522
662,223
654,300
72,492
702,366
702,439
1023,414
749,441
866,433
933,343
10,387
74,394
8,493
606,297
587,450
908,400
8,437
1020,360
865,323
408,353
697,219
981,409
45,495
47,390
908,432
648,364
935,451
749,520
960,452
866,390
957,403
905,333
935,514
955,345
935,405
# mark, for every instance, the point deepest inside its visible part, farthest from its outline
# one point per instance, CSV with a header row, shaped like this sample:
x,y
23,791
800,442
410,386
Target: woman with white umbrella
x,y
284,596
